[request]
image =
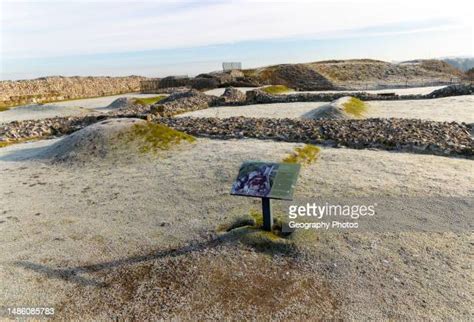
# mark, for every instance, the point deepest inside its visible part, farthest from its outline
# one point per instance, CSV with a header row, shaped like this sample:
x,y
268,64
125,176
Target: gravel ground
x,y
66,108
124,223
457,108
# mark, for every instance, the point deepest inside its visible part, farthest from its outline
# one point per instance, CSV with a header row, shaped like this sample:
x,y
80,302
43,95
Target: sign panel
x,y
266,180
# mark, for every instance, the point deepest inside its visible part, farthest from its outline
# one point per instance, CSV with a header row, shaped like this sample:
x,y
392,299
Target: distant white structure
x,y
228,66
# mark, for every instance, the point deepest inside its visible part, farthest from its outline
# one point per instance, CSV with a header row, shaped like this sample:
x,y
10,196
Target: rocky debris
x,y
205,82
452,90
440,138
181,102
30,129
150,86
232,95
97,140
354,74
296,76
121,102
258,96
200,82
57,88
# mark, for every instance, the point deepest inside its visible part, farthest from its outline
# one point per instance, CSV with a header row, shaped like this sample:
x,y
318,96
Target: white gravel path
x,y
66,108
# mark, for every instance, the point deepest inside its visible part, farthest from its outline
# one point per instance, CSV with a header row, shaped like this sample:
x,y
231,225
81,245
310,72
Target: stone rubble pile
x,y
30,129
452,90
182,102
58,88
231,96
440,138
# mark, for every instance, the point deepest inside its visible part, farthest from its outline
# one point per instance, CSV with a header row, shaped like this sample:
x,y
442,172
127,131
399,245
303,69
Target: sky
x,y
159,38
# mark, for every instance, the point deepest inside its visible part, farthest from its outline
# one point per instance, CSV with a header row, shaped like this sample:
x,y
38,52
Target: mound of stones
x,y
232,95
452,90
331,111
121,102
440,138
96,140
182,102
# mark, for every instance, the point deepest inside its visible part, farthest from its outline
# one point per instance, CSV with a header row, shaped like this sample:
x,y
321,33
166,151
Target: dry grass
x,y
276,89
156,137
355,107
16,141
223,282
149,100
304,155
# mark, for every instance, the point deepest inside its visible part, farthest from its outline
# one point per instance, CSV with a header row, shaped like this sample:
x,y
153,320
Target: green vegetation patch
x,y
4,108
276,89
156,137
303,155
16,141
254,220
355,107
149,100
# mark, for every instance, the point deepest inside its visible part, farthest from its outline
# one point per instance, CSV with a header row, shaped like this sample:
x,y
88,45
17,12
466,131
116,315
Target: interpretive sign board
x,y
266,180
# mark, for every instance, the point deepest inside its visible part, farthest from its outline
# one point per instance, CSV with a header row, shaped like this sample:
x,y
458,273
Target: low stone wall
x,y
440,138
182,102
258,96
57,88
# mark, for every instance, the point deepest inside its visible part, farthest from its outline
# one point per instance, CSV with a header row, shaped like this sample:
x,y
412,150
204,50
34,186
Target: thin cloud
x,y
47,29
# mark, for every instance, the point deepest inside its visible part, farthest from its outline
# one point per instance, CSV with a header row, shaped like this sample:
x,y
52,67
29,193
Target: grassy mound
x,y
276,89
156,137
116,140
304,155
355,107
248,230
149,100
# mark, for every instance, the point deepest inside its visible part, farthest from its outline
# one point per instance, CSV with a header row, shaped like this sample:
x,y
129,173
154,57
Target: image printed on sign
x,y
266,180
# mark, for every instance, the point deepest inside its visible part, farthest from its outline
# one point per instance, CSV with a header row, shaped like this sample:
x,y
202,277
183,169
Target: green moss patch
x,y
355,107
149,100
16,141
254,221
276,89
4,108
303,155
154,137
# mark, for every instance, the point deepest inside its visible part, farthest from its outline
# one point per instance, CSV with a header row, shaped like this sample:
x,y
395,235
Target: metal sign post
x,y
267,214
266,180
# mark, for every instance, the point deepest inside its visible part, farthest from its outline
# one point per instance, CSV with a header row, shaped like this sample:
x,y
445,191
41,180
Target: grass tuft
x,y
276,89
304,155
149,100
157,137
16,141
355,107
